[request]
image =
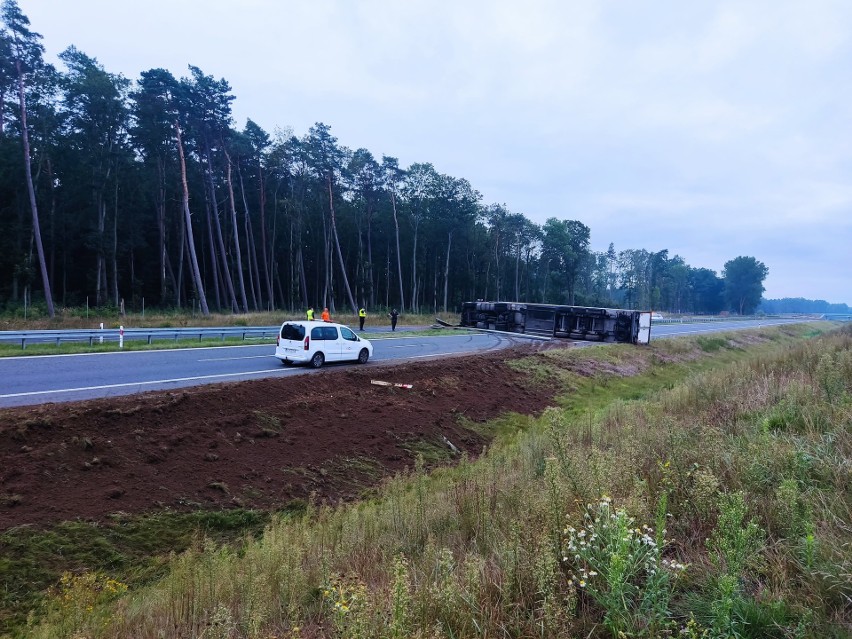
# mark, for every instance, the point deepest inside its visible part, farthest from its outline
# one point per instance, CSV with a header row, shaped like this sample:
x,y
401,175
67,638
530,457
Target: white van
x,y
303,342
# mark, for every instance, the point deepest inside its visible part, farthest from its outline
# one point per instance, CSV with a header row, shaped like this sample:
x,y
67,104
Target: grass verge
x,y
676,489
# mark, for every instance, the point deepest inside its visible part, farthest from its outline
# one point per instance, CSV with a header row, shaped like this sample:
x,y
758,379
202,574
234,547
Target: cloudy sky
x,y
709,128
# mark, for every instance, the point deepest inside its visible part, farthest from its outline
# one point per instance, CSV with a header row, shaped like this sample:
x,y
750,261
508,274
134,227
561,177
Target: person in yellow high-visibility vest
x,y
310,313
362,316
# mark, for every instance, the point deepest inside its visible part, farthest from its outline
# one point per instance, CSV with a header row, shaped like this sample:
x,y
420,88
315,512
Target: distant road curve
x,y
62,378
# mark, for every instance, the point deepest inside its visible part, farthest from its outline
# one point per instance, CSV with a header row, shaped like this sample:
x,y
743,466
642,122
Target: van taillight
x,y
308,343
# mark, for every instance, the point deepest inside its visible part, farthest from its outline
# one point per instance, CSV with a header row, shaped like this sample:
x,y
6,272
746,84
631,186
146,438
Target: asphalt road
x,y
62,378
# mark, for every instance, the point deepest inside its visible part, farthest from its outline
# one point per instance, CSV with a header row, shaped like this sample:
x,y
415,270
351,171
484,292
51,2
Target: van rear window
x,y
295,332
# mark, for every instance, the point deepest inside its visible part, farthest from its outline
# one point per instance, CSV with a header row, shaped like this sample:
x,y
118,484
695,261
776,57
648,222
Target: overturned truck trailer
x,y
553,320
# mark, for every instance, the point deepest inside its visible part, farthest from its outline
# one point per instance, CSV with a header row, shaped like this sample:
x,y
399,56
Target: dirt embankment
x,y
257,444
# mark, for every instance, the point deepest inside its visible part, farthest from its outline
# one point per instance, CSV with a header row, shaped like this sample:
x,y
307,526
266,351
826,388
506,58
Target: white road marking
x,y
149,352
155,381
228,359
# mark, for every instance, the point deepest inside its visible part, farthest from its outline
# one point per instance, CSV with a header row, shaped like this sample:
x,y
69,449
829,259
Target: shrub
x,y
620,567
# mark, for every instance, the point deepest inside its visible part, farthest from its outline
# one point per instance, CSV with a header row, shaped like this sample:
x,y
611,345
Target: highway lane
x,y
61,378
675,330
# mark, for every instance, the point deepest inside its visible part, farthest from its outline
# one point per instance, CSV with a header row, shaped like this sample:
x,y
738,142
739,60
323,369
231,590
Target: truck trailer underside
x,y
554,320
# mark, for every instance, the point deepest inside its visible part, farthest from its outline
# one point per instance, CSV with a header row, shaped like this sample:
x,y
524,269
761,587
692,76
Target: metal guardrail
x,y
99,336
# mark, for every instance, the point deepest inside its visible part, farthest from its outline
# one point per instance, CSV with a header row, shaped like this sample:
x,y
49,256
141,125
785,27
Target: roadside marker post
x,y
121,337
101,338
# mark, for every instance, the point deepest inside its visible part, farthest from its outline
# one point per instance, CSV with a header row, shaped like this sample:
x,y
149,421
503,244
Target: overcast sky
x,y
712,129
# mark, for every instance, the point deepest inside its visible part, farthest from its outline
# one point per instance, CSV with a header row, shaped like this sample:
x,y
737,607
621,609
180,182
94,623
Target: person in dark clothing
x,y
394,315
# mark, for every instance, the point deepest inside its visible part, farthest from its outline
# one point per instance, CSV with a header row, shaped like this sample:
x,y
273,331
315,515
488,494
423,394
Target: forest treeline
x,y
115,191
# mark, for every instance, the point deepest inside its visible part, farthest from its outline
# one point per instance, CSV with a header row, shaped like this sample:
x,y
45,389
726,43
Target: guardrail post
x,y
23,343
150,337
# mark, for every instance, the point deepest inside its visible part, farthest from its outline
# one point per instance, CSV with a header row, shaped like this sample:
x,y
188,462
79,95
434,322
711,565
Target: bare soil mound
x,y
261,444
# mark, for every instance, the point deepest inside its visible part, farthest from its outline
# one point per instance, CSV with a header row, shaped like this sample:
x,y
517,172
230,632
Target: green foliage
x,y
744,278
734,542
133,550
621,567
711,344
400,623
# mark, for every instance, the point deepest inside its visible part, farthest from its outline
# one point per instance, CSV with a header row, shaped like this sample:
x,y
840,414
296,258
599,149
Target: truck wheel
x,y
317,360
363,356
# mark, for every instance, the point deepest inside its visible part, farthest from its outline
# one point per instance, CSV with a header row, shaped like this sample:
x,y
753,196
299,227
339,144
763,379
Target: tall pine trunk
x,y
267,267
217,227
115,248
196,272
239,254
339,252
398,254
254,271
45,279
214,265
447,267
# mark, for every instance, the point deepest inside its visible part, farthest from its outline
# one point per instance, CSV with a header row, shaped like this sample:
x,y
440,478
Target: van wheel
x,y
317,360
363,356
285,363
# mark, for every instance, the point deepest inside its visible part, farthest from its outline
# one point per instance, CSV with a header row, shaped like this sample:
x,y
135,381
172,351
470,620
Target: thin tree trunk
x,y
267,267
220,242
115,247
370,269
52,219
177,284
447,267
339,252
160,207
214,264
236,235
254,271
387,277
45,279
326,262
414,282
435,284
196,272
398,255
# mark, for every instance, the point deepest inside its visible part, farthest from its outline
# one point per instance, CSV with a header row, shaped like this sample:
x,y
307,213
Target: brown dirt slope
x,y
257,444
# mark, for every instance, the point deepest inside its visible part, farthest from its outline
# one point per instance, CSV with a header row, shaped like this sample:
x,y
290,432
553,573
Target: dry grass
x,y
752,457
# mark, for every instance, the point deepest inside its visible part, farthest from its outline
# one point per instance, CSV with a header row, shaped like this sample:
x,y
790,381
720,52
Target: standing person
x,y
362,315
326,316
310,313
394,314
